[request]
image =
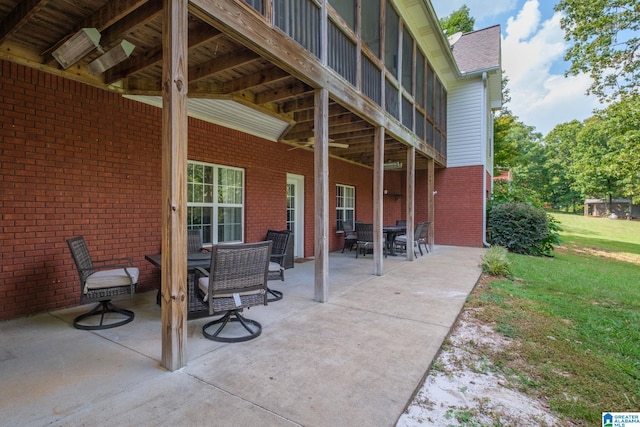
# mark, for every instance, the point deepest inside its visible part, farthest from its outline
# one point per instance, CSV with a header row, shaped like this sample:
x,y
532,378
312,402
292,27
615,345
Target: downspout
x,y
484,169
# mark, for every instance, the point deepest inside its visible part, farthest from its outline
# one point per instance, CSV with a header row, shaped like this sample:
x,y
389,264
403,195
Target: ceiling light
x,y
111,58
77,47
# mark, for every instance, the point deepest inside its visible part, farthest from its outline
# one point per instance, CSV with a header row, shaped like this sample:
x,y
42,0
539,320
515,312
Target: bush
x,y
522,229
495,262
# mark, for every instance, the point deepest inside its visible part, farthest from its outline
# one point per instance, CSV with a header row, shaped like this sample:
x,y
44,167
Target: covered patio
x,y
96,110
356,359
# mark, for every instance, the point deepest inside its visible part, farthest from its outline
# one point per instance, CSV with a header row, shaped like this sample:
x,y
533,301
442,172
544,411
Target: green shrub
x,y
522,228
495,262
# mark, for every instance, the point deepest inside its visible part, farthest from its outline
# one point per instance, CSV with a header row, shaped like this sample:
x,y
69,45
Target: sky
x,y
533,49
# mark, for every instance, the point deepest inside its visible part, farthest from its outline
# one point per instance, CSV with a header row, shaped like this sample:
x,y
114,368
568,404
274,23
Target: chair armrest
x,y
106,267
200,271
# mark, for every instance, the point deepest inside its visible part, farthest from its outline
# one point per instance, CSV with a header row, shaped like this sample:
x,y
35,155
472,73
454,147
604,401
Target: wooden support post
x,y
431,200
174,183
321,187
378,203
411,194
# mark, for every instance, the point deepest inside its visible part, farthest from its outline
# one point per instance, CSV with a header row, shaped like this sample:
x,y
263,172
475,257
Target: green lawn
x,y
574,318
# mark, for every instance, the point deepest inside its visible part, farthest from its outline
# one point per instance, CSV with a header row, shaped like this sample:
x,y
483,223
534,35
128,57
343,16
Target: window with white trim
x,y
345,204
215,202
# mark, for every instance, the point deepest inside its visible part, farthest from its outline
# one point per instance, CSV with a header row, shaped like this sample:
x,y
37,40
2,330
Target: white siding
x,y
465,125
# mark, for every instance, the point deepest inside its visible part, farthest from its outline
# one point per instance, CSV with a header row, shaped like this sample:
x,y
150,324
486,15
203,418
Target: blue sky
x,y
533,49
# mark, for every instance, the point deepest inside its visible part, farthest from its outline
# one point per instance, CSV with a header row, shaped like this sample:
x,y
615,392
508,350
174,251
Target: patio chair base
x,y
232,316
276,295
101,309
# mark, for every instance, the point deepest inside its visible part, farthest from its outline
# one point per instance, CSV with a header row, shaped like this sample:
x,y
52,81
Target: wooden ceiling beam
x,y
142,15
20,14
336,133
297,105
219,64
201,35
296,89
308,115
343,118
109,14
112,12
263,77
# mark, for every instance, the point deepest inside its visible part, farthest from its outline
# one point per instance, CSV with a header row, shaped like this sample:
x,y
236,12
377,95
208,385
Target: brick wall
x,y
74,160
458,206
77,160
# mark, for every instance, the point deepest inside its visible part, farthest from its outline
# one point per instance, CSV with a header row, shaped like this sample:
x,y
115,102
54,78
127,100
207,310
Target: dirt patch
x,y
463,388
618,256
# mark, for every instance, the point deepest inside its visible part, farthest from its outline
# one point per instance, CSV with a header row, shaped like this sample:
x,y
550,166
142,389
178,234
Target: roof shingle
x,y
478,50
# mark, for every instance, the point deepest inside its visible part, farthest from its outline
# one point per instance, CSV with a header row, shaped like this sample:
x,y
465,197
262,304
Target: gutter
x,y
481,71
484,171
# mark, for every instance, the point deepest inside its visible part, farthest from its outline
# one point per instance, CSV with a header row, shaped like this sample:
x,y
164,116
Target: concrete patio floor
x,y
353,361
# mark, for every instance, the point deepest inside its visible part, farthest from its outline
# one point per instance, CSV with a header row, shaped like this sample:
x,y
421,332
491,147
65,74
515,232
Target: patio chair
x,y
365,239
419,237
422,237
194,241
281,241
194,246
99,282
237,279
350,235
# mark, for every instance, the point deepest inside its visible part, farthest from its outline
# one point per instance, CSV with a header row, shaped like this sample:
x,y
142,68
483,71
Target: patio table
x,y
195,306
392,231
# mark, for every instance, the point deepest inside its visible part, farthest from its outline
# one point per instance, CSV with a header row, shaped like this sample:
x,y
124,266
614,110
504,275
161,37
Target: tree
x,y
559,145
528,170
458,21
622,120
605,44
505,150
592,169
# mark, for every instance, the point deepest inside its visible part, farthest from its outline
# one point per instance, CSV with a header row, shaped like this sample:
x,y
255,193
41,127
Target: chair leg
x,y
101,309
277,295
233,316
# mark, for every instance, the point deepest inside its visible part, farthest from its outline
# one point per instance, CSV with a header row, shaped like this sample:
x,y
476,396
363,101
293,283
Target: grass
x,y
574,319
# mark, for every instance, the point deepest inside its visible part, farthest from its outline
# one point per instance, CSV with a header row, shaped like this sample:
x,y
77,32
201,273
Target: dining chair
x,y
278,261
350,235
236,280
419,237
365,239
100,281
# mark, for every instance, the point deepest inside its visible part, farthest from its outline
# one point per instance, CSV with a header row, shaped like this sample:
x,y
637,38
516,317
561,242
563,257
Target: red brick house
x,y
295,107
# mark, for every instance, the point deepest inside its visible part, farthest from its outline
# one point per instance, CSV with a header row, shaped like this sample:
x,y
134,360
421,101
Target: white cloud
x,y
538,97
525,24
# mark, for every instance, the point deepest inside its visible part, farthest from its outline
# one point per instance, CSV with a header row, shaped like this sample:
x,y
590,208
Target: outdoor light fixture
x,y
393,165
77,47
112,58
